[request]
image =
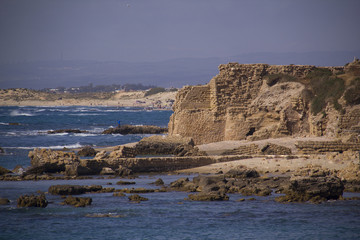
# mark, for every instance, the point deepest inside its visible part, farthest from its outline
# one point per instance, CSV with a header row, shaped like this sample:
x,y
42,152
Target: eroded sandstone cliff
x,y
259,101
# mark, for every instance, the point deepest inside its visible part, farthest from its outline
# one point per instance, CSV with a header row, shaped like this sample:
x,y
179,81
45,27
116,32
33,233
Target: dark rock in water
x,y
73,189
125,183
313,189
255,190
32,201
136,190
183,184
2,150
137,198
130,129
87,152
66,131
213,196
119,194
159,182
4,171
4,201
210,183
14,124
77,201
242,173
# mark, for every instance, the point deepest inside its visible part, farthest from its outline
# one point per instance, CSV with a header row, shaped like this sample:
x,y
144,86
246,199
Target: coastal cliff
x,y
260,101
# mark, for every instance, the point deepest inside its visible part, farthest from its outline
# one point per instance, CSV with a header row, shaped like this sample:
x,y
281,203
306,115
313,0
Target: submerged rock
x,y
32,201
137,198
73,189
213,196
77,201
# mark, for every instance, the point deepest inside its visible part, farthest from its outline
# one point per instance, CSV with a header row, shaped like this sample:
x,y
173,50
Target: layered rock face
x,y
253,101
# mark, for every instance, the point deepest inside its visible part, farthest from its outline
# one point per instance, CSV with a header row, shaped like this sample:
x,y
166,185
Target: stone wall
x,y
238,104
313,147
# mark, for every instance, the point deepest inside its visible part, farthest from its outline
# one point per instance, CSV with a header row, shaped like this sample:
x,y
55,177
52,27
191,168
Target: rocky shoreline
x,y
218,175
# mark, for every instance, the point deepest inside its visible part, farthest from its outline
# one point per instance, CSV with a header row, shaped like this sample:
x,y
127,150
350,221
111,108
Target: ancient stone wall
x,y
238,103
313,147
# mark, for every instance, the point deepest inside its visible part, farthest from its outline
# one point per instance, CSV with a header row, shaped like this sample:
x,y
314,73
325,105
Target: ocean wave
x,y
16,113
2,123
86,114
76,145
85,134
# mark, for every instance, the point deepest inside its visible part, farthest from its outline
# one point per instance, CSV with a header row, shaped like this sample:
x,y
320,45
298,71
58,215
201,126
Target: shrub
x,y
326,89
154,91
352,95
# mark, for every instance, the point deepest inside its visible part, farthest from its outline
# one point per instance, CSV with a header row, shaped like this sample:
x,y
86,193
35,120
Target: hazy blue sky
x,y
153,30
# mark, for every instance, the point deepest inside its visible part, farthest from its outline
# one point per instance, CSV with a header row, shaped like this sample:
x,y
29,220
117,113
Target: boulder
x,y
242,172
73,189
2,151
159,182
210,183
87,152
131,129
107,171
313,189
183,184
122,152
77,201
32,201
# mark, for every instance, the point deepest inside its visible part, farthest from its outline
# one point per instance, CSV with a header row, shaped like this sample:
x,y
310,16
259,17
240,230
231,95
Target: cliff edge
x,y
260,101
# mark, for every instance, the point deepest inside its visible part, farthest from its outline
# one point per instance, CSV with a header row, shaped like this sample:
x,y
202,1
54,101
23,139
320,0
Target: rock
x,y
46,160
214,196
136,190
242,172
77,201
32,201
14,124
313,189
101,155
137,198
159,182
183,184
125,183
119,194
131,129
66,131
210,183
73,189
161,145
256,190
123,171
87,152
4,201
107,171
2,151
18,170
4,171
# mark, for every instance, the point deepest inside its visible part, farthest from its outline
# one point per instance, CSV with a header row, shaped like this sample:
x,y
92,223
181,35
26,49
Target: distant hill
x,y
170,73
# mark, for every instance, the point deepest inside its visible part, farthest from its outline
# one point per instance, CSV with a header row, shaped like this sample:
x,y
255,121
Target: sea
x,y
166,215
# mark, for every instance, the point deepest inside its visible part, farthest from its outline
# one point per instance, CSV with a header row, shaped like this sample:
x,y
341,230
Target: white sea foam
x,y
76,145
16,113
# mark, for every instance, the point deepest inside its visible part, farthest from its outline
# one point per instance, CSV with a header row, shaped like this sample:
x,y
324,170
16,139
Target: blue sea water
x,y
165,215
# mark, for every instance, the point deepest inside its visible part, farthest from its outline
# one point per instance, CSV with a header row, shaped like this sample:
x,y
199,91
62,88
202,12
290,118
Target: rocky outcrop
x,y
32,201
86,152
131,129
46,160
137,198
313,189
77,201
260,101
73,189
4,171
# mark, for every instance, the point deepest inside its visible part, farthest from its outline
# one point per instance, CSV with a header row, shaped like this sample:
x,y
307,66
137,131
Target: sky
x,y
158,30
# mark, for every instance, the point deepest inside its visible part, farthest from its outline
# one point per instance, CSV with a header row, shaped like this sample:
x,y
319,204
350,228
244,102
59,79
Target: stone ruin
x,y
239,103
